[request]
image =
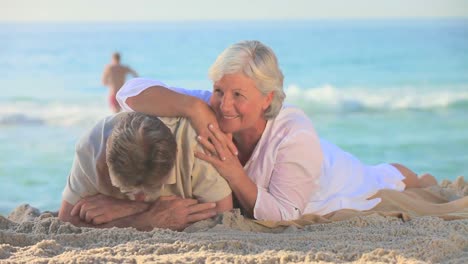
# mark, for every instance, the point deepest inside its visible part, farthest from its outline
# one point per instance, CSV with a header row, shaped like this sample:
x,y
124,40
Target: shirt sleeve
x,y
135,86
82,179
294,179
207,184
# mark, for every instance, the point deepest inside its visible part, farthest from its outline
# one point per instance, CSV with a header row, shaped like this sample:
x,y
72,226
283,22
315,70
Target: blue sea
x,y
384,90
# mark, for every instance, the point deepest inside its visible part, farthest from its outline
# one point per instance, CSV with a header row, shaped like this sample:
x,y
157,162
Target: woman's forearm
x,y
245,191
160,101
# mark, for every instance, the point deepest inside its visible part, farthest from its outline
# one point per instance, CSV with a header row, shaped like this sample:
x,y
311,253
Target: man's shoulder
x,y
127,68
178,125
95,138
116,67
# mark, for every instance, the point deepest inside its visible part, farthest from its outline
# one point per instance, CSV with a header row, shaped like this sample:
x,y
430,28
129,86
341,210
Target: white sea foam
x,y
51,113
329,98
320,99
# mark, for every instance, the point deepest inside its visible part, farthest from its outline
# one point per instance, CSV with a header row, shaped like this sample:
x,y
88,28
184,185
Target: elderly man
x,y
138,170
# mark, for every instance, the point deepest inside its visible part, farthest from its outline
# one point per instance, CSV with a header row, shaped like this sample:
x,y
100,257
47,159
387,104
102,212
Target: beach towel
x,y
448,201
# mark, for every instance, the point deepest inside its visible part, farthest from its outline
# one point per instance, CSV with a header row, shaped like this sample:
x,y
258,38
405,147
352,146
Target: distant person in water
x,y
113,77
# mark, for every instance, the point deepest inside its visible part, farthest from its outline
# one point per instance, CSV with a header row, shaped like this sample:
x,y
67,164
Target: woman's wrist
x,y
238,181
245,190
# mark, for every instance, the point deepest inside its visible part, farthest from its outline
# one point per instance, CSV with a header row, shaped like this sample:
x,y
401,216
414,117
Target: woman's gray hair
x,y
258,62
140,150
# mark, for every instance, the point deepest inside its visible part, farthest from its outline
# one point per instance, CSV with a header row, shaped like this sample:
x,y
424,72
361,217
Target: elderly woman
x,y
269,153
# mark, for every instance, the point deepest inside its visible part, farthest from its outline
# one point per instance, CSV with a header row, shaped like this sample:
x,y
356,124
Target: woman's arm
x,y
155,98
161,101
246,192
295,171
224,204
230,168
294,179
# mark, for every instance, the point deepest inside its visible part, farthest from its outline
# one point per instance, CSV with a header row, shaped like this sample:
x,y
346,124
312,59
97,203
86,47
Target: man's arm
x,y
105,75
65,215
97,210
132,72
167,212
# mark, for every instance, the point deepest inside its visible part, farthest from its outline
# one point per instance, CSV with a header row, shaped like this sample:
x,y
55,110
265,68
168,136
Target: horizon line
x,y
245,20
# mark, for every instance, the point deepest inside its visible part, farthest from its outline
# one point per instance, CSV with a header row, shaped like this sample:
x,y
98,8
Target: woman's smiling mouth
x,y
229,117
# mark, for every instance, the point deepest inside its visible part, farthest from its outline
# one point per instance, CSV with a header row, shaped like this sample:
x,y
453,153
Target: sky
x,y
170,10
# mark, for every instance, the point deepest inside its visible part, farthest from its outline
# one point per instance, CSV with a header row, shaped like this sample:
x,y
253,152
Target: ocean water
x,y
384,90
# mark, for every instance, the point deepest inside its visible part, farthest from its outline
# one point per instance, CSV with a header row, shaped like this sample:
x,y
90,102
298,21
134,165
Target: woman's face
x,y
238,103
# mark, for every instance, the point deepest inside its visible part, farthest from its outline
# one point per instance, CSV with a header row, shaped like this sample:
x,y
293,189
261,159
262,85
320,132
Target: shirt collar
x,y
171,179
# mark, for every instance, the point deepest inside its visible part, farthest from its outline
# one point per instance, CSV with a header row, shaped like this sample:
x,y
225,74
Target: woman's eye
x,y
237,94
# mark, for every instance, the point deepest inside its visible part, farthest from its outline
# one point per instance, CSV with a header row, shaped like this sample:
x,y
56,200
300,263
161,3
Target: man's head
x,y
141,151
116,57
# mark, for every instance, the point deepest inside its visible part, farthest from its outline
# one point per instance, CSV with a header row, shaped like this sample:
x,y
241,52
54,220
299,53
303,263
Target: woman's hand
x,y
201,118
220,154
228,166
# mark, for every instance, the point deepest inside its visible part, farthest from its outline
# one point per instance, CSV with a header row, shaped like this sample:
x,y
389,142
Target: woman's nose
x,y
226,103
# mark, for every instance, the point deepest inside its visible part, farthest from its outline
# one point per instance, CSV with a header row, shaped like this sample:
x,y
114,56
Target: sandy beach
x,y
380,235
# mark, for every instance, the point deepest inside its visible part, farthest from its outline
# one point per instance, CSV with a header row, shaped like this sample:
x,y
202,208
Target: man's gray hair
x,y
140,150
258,62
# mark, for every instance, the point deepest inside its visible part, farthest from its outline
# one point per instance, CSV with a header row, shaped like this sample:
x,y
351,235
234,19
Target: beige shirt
x,y
190,178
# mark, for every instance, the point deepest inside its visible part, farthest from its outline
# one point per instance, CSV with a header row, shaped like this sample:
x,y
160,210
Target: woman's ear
x,y
267,102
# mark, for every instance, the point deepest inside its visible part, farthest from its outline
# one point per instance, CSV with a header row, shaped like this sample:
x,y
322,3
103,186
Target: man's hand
x,y
101,209
170,212
177,213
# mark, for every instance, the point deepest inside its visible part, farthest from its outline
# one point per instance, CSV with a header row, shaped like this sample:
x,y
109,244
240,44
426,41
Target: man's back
x,y
190,178
115,75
